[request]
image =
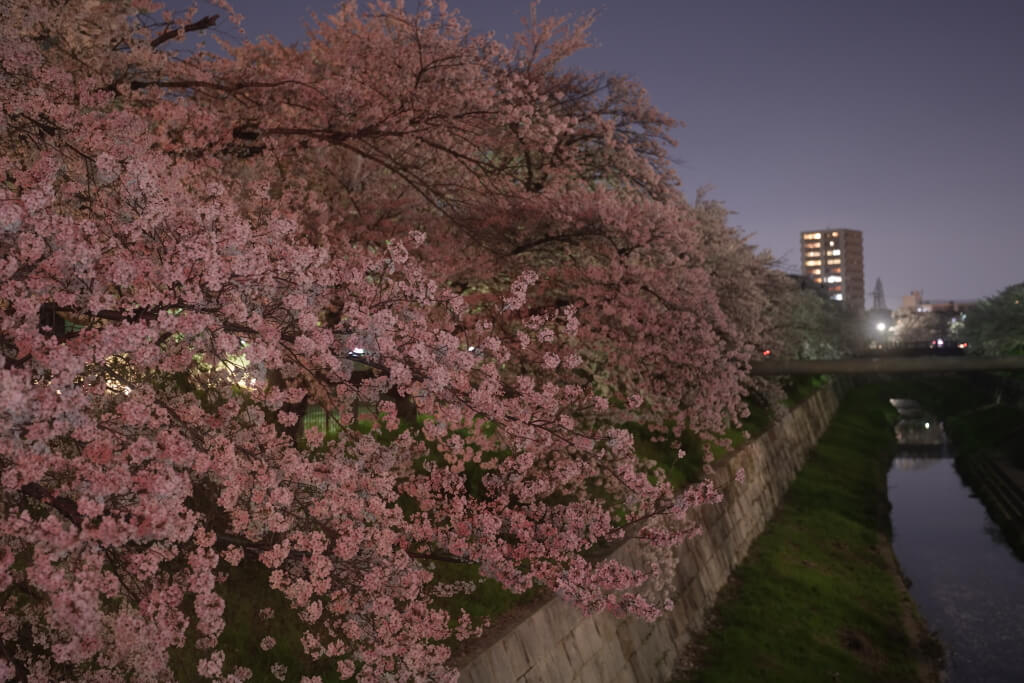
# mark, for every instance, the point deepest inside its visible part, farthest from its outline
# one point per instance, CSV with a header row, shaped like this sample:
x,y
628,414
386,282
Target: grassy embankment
x,y
819,597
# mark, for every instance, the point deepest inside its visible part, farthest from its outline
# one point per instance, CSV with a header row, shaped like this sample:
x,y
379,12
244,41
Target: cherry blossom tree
x,y
475,261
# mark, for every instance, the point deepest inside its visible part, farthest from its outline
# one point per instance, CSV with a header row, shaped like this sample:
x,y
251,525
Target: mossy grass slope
x,y
818,598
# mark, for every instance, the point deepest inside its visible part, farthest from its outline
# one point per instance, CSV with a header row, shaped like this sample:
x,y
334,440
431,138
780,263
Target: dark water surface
x,y
966,581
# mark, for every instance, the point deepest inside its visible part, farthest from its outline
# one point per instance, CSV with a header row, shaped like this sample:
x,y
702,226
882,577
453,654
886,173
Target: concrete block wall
x,y
558,644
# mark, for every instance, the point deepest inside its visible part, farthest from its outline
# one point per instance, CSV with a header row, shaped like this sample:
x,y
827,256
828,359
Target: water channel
x,y
967,583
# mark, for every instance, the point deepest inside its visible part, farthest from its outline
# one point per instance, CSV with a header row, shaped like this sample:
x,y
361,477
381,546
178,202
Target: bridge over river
x,y
886,364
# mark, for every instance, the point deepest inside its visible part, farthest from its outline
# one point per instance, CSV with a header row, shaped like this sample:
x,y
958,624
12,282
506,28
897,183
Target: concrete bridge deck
x,y
886,364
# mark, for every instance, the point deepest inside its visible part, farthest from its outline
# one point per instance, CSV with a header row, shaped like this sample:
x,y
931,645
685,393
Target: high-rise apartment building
x,y
835,260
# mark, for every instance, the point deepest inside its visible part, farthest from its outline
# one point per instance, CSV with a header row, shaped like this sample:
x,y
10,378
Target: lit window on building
x,y
812,235
816,271
834,234
812,253
812,262
837,297
834,262
834,252
835,278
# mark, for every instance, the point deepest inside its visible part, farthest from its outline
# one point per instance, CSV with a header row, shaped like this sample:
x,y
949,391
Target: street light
x,y
880,327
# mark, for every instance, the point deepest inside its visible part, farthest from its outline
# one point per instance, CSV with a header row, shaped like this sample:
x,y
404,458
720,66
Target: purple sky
x,y
903,119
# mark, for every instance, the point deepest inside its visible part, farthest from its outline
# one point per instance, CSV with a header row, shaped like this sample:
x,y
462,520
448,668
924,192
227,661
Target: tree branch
x,y
65,506
205,22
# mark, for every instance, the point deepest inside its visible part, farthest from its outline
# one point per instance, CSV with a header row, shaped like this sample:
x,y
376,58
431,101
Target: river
x,y
967,583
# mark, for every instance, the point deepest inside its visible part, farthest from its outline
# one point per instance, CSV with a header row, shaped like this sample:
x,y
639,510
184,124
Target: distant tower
x,y
878,296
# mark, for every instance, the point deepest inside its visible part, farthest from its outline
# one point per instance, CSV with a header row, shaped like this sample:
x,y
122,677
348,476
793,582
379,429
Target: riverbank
x,y
964,579
983,415
990,460
820,597
559,643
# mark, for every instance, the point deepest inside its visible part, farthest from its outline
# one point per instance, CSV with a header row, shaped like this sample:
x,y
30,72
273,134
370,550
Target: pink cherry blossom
x,y
331,315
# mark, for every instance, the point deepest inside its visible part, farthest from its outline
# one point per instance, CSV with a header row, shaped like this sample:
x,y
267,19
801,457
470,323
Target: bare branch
x,y
205,22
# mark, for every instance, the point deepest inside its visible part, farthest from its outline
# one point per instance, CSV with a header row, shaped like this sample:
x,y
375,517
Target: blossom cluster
x,y
471,262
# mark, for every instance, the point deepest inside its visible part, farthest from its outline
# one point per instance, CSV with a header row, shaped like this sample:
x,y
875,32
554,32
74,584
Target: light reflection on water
x,y
966,581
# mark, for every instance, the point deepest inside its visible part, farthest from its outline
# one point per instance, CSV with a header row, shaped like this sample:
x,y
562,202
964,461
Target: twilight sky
x,y
900,118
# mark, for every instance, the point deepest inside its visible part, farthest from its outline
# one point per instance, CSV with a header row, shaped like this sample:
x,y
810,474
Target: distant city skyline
x,y
901,120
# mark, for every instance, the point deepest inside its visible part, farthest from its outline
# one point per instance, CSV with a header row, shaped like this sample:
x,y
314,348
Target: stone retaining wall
x,y
558,644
